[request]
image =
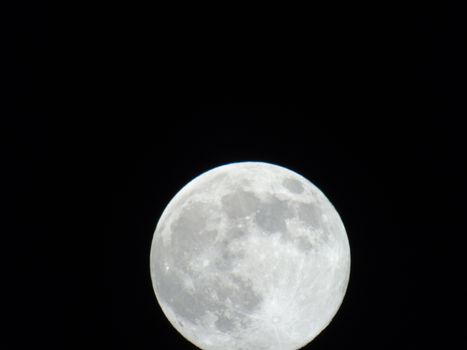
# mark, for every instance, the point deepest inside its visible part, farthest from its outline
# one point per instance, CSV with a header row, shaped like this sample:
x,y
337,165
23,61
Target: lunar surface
x,y
250,256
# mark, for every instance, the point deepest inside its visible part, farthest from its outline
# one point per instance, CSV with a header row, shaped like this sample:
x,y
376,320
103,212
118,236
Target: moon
x,y
250,255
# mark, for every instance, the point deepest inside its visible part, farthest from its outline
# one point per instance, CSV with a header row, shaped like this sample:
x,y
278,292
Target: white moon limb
x,y
250,256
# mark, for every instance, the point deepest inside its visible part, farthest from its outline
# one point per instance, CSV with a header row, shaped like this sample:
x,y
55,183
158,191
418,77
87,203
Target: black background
x,y
365,102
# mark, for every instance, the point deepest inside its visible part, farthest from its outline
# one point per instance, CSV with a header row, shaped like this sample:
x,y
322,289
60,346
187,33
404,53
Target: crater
x,y
243,296
293,185
189,233
226,260
303,244
225,324
239,204
217,179
272,214
310,214
191,220
184,302
233,296
235,233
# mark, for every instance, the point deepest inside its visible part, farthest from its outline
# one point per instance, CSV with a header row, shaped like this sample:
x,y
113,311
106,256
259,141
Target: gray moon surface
x,y
250,255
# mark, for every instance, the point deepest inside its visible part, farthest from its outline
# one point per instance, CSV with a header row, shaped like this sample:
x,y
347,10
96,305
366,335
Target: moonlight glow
x,y
250,256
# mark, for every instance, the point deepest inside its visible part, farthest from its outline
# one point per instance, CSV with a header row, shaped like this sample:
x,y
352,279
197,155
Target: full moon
x,y
250,255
